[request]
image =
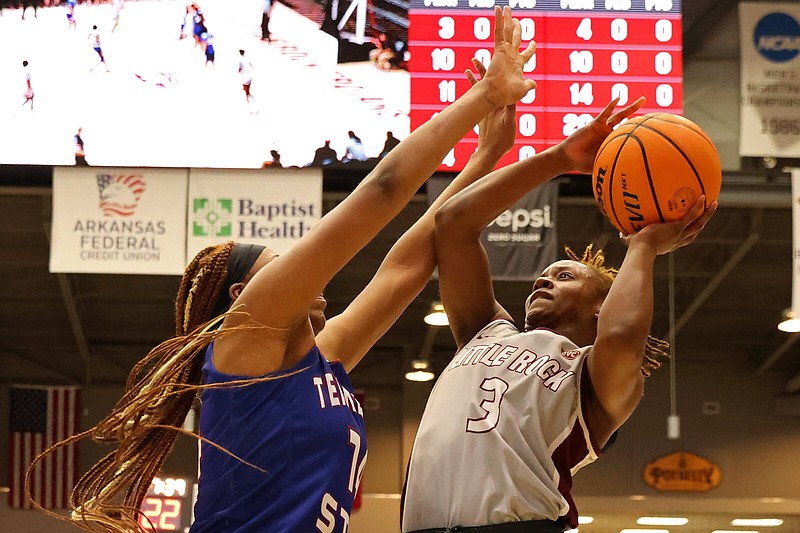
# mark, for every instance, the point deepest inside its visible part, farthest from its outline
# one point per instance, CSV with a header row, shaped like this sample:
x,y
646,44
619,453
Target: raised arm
x,y
464,277
409,264
615,366
280,294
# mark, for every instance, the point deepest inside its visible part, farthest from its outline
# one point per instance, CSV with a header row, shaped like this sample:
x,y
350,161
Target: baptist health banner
x,y
118,220
770,68
522,241
272,208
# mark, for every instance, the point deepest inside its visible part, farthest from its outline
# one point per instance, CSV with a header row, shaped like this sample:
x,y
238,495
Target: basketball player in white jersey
x,y
518,411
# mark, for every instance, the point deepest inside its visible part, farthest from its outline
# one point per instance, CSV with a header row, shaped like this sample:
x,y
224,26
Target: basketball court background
x,y
161,105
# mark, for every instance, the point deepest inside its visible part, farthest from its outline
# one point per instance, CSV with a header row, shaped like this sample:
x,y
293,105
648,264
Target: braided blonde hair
x,y
159,393
654,347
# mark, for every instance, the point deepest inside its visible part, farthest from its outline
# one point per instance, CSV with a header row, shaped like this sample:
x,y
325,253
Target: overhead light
x,y
757,522
644,531
790,323
583,520
638,498
436,316
734,531
661,521
420,371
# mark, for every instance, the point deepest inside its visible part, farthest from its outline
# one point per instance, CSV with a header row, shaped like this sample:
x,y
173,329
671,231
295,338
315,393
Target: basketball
x,y
653,168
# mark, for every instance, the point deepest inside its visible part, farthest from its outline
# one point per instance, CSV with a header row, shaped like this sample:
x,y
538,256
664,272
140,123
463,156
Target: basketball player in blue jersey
x,y
284,444
533,404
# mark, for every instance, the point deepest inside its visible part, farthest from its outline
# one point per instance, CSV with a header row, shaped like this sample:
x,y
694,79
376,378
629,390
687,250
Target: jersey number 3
x,y
496,388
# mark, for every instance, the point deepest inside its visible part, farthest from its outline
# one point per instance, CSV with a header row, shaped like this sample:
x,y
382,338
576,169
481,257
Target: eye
x,y
565,275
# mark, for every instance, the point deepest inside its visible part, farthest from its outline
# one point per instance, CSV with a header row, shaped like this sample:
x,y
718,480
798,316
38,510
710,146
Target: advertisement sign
x,y
522,241
770,93
272,208
682,472
118,220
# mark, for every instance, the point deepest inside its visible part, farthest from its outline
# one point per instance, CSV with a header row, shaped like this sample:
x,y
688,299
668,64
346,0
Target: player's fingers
x,y
693,213
628,111
498,26
697,225
508,25
516,37
471,77
479,66
527,54
604,115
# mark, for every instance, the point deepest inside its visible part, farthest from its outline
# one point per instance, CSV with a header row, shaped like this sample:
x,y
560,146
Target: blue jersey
x,y
305,430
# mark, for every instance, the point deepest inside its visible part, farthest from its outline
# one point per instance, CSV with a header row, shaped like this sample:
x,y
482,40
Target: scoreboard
x,y
587,53
167,505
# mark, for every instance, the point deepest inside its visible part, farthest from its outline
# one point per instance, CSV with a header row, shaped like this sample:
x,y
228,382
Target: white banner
x,y
796,243
118,220
273,208
770,74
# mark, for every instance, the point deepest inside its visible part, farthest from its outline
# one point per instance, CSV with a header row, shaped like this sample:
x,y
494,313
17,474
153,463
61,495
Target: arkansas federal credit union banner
x,y
521,241
770,73
272,208
118,220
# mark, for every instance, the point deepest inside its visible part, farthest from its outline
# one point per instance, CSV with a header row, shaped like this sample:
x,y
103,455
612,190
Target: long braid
x,y
146,421
654,347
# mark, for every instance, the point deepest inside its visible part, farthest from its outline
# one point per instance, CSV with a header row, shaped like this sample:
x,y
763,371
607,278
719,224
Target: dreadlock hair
x,y
159,393
654,347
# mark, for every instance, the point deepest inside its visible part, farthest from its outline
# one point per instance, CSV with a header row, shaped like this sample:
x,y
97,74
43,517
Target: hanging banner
x,y
795,311
770,74
273,208
118,220
522,241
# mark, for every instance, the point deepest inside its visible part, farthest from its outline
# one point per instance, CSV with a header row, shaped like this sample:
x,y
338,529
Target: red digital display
x,y
165,506
588,52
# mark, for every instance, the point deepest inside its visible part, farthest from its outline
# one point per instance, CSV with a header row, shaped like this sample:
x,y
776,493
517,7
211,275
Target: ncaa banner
x,y
273,208
118,220
522,241
770,74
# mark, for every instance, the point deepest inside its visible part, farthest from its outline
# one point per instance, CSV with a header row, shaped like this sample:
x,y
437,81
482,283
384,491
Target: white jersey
x,y
502,433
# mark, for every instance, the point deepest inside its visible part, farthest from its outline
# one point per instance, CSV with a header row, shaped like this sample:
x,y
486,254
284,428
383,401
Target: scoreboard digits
x,y
588,52
166,507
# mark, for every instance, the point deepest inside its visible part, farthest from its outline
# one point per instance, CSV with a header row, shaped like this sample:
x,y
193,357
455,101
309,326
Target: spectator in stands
x,y
324,155
391,142
355,149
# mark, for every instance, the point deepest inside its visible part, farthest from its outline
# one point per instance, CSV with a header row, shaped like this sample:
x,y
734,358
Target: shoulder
x,y
497,329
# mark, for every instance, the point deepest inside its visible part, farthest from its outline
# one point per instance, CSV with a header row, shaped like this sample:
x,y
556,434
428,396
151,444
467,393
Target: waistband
x,y
531,526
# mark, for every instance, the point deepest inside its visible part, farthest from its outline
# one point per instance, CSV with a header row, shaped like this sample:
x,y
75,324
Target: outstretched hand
x,y
669,236
581,147
504,74
498,130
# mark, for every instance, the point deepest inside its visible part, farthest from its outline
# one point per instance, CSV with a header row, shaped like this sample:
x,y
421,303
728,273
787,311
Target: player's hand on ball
x,y
668,236
581,147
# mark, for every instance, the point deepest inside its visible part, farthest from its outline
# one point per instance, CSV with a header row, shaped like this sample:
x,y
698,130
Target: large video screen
x,y
171,83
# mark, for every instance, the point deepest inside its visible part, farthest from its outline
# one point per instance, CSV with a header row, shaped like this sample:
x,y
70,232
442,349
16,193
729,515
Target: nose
x,y
542,283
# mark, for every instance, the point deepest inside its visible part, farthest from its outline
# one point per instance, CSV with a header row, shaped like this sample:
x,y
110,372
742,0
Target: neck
x,y
579,334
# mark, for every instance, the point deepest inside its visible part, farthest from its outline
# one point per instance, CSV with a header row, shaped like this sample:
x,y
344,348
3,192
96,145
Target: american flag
x,y
119,194
40,417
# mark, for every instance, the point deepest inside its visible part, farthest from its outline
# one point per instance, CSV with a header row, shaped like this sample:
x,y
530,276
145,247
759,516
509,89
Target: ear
x,y
235,291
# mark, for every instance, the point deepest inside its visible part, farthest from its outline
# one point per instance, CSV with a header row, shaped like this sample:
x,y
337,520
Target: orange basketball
x,y
653,168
